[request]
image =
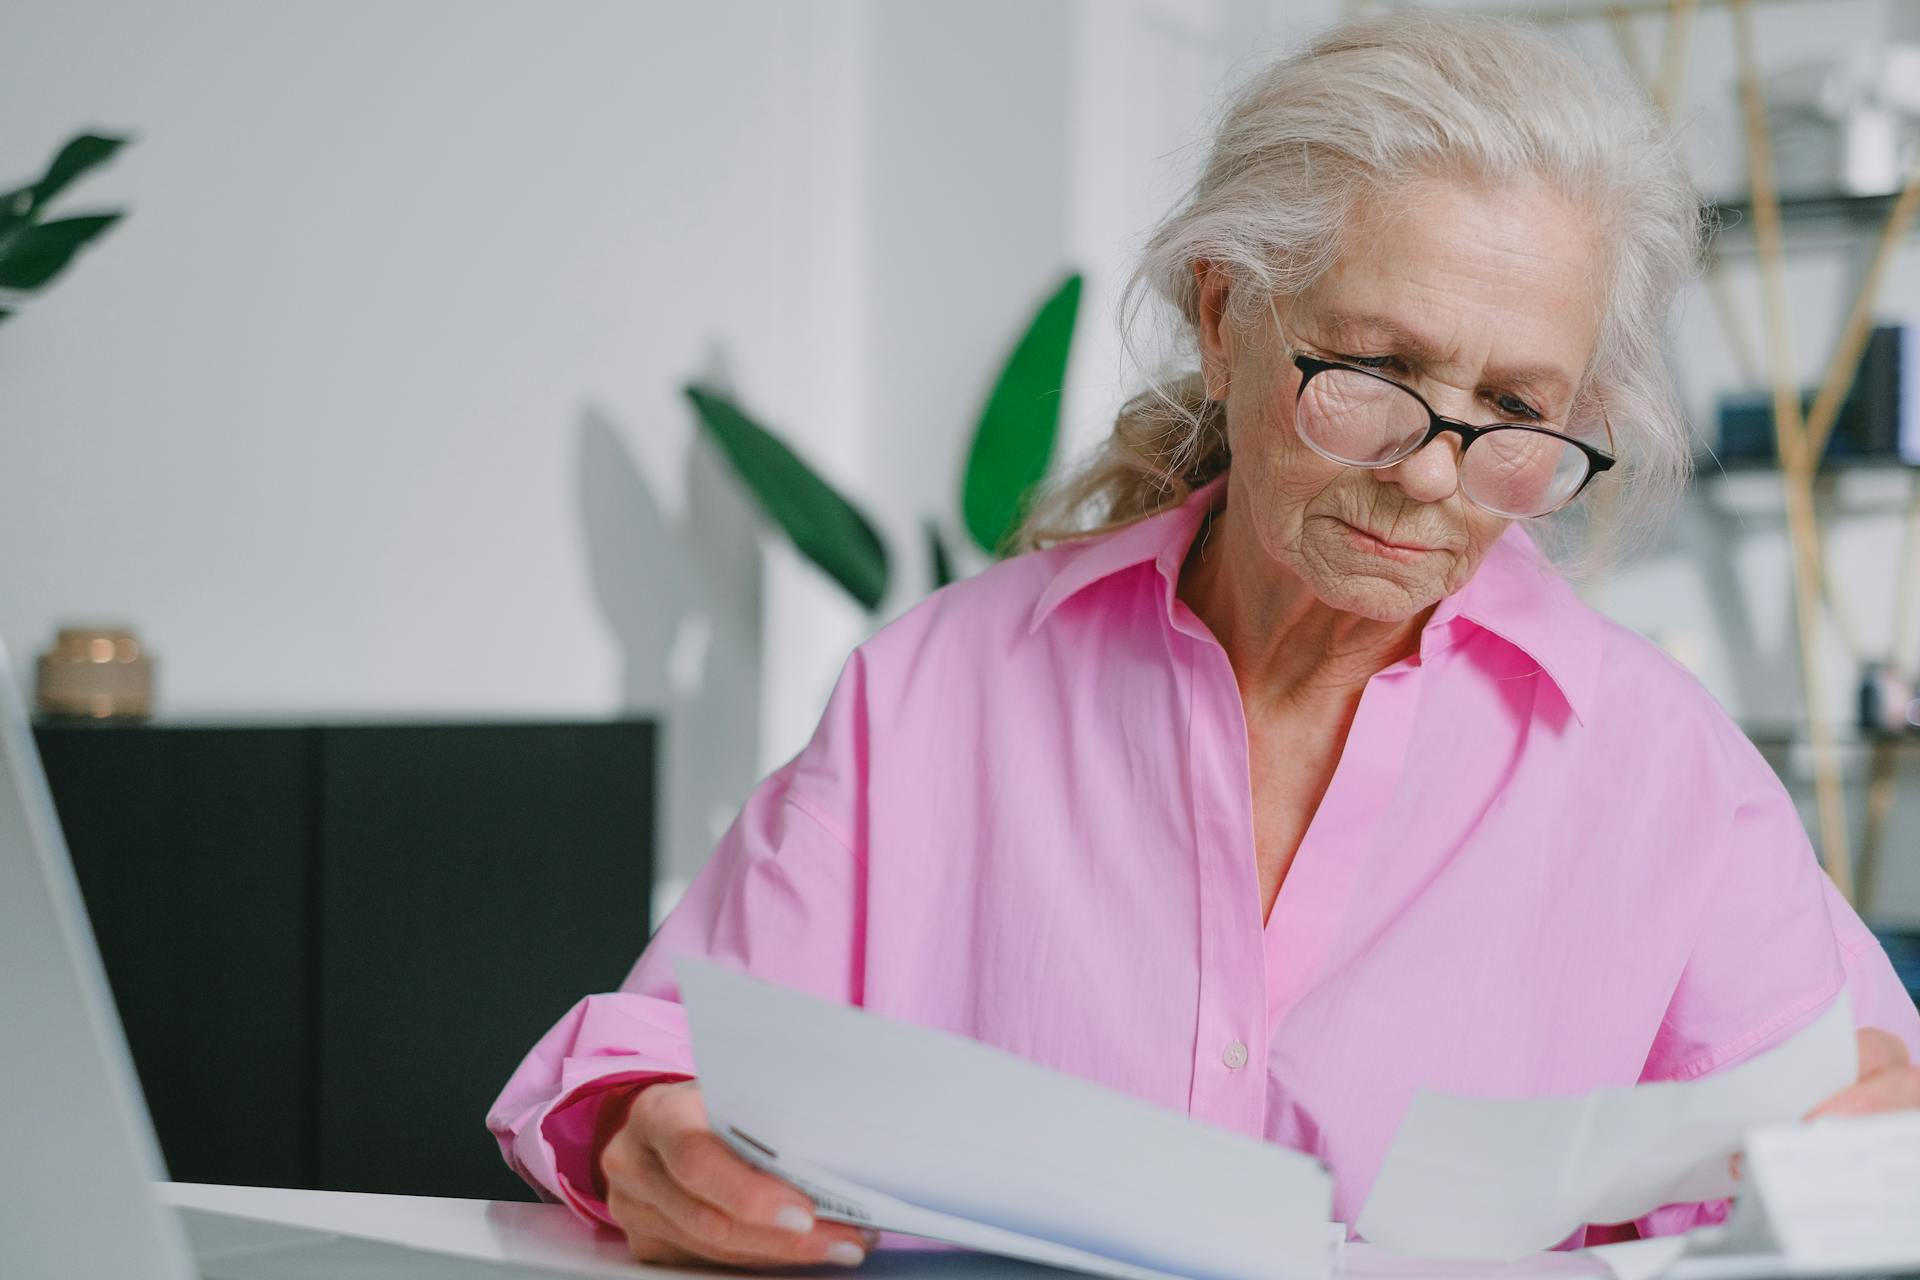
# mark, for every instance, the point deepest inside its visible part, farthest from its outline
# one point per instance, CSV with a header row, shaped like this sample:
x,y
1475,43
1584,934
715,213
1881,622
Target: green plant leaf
x,y
937,555
16,209
828,529
83,152
1013,443
36,254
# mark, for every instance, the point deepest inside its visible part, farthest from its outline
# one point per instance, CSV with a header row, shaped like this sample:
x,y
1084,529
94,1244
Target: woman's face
x,y
1484,301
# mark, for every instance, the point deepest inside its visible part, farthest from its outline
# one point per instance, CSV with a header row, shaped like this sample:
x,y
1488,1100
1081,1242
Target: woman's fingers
x,y
720,1206
714,1232
1879,1051
705,1165
1888,1081
653,1237
1894,1089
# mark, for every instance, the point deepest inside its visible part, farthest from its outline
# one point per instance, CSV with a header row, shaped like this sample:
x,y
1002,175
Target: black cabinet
x,y
331,944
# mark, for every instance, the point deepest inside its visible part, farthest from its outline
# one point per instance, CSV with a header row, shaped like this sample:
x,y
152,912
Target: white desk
x,y
526,1236
522,1239
517,1238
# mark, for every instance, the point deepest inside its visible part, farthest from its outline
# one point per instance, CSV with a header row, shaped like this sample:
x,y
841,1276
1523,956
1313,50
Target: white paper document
x,y
906,1129
1837,1197
1498,1179
1839,1194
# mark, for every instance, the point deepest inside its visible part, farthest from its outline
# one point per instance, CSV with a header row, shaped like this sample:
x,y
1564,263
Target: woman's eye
x,y
1371,362
1517,408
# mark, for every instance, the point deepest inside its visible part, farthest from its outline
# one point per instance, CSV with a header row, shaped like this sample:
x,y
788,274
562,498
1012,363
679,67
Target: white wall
x,y
311,415
371,405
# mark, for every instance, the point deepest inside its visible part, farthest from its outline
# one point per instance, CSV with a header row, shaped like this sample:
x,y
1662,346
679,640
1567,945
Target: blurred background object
x,y
34,248
1848,124
1007,463
320,938
98,673
1879,421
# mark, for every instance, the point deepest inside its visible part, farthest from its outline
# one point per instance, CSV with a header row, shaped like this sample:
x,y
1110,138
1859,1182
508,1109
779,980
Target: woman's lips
x,y
1379,546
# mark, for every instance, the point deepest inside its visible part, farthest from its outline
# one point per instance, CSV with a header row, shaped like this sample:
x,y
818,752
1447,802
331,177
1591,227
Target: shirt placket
x,y
1312,908
1231,1034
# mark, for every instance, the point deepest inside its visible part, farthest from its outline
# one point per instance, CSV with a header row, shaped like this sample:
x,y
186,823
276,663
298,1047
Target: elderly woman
x,y
1288,777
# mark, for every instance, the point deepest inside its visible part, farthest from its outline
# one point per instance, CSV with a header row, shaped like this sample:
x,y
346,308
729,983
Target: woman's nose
x,y
1430,475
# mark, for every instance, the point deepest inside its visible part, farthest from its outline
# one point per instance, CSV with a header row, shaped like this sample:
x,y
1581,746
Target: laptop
x,y
81,1170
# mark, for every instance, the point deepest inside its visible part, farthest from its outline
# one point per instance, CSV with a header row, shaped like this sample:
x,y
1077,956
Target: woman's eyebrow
x,y
1357,324
1541,379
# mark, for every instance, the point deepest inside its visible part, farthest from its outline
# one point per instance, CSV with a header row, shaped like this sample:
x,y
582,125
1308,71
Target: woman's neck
x,y
1289,649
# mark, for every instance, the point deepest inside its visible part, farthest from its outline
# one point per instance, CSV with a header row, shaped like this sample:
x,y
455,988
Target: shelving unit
x,y
1867,213
1756,226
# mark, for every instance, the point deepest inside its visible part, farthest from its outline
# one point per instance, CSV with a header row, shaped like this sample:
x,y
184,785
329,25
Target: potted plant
x,y
1012,449
34,248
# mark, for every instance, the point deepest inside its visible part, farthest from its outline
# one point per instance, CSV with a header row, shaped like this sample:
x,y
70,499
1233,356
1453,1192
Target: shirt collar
x,y
1161,539
1515,595
1519,596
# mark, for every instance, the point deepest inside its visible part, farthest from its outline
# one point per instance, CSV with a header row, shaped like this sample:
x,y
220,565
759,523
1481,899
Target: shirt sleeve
x,y
1776,945
781,897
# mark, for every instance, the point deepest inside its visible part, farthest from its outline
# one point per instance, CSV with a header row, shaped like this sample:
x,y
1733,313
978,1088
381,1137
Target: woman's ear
x,y
1211,288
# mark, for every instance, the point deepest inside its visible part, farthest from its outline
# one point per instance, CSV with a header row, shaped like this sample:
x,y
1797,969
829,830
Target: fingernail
x,y
793,1218
846,1253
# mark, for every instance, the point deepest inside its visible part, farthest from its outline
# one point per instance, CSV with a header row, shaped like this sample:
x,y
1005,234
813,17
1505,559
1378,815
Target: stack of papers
x,y
920,1132
1838,1197
1499,1178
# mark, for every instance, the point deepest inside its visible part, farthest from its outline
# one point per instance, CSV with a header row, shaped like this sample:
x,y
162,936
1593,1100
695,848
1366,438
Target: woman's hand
x,y
682,1195
1888,1080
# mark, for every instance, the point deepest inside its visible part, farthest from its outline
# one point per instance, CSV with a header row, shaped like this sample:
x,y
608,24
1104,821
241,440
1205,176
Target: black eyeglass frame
x,y
1597,460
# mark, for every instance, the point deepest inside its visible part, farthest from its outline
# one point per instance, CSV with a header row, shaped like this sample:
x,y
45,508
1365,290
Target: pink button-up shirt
x,y
1547,861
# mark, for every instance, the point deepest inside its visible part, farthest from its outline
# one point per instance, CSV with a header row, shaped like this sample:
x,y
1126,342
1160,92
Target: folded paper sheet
x,y
1837,1197
1842,1192
926,1133
1500,1178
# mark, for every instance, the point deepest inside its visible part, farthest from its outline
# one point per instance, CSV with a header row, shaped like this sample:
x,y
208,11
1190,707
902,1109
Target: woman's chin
x,y
1380,592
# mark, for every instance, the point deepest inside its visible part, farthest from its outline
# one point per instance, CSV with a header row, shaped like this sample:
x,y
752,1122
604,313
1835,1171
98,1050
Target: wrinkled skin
x,y
1489,283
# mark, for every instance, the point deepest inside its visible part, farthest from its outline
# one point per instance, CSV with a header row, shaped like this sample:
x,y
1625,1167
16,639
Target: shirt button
x,y
1235,1057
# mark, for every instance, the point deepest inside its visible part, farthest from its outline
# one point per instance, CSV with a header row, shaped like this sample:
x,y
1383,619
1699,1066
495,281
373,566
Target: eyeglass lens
x,y
1363,421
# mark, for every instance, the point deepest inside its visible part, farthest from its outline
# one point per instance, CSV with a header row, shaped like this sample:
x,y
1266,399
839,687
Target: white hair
x,y
1365,110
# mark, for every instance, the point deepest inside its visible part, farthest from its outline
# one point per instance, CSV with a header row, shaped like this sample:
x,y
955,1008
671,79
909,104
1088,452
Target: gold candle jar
x,y
97,672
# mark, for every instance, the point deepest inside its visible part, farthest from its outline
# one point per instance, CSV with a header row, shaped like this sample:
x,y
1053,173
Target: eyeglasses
x,y
1360,419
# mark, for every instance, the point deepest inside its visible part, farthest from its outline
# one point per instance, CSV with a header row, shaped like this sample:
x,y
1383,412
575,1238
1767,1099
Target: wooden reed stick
x,y
1673,55
1732,320
1859,327
1797,465
1768,238
1841,615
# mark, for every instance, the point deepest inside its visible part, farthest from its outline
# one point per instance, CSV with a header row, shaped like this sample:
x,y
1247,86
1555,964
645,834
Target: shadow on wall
x,y
683,601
